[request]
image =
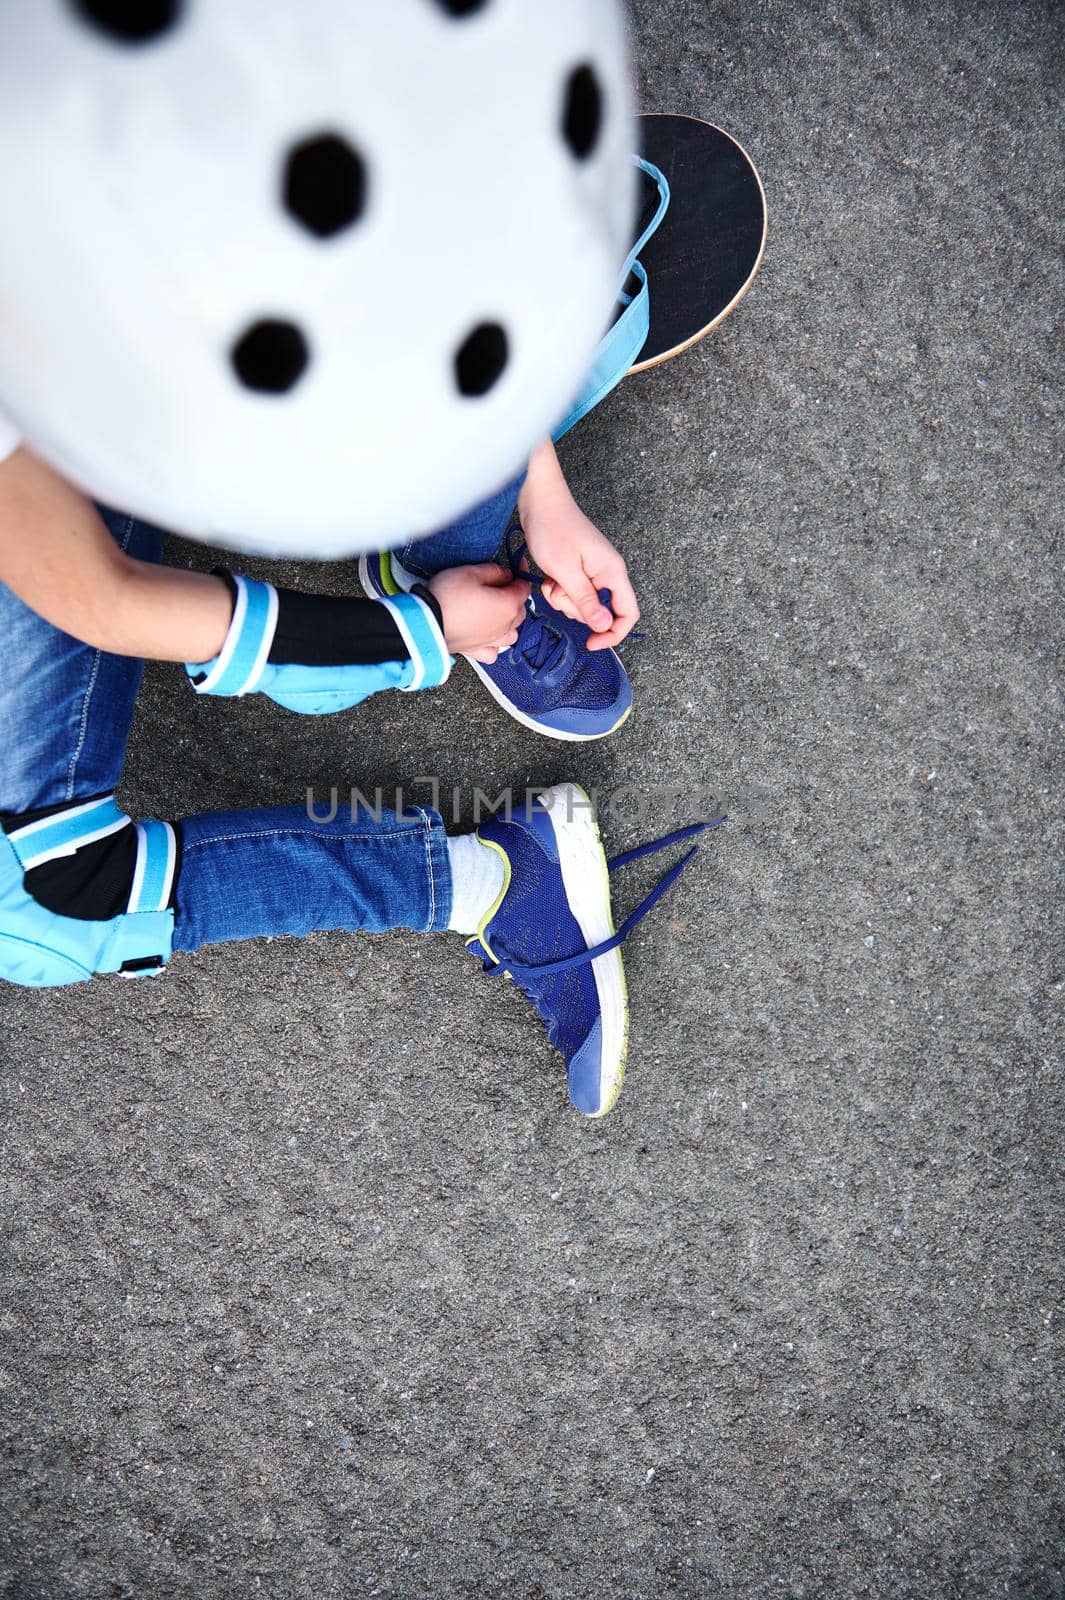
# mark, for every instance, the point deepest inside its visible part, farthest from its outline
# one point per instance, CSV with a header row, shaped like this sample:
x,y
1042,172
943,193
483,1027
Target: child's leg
x,y
271,871
82,887
475,536
65,708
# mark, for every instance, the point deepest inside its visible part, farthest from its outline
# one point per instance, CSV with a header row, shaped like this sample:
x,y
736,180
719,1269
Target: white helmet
x,y
305,278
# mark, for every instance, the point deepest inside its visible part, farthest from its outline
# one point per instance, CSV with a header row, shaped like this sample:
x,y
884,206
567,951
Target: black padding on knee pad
x,y
92,884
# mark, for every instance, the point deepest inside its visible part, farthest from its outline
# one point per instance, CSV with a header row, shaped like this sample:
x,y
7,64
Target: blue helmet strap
x,y
627,334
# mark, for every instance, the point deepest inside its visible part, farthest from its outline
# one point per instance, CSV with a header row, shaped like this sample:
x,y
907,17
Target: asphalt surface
x,y
312,1285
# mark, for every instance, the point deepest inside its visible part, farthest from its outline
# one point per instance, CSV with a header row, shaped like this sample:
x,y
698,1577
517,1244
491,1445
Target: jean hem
x,y
438,867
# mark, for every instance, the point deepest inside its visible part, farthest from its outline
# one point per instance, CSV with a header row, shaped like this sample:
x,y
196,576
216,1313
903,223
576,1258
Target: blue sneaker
x,y
547,679
552,932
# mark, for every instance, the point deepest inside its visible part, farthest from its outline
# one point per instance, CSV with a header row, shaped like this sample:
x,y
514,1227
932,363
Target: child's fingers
x,y
583,597
626,612
489,573
556,596
493,576
621,628
623,611
508,617
480,603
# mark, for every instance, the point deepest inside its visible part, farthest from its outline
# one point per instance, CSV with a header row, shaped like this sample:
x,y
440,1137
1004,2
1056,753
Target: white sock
x,y
476,879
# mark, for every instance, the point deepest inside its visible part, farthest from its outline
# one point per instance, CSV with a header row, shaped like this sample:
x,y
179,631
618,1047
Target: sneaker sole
x,y
586,880
373,587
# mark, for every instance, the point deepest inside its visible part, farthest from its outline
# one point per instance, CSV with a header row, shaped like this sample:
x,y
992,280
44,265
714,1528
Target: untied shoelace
x,y
518,971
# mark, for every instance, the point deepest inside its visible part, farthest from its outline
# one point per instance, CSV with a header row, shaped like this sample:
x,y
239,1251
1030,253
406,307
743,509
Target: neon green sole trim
x,y
480,937
390,584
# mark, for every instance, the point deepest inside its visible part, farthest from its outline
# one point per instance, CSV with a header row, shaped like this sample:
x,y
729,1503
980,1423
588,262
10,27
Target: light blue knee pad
x,y
41,948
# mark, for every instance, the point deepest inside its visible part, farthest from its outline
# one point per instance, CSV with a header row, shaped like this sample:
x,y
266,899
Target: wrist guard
x,y
322,653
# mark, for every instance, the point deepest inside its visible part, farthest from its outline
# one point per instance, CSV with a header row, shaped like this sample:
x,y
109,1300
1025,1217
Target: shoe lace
x,y
541,646
523,974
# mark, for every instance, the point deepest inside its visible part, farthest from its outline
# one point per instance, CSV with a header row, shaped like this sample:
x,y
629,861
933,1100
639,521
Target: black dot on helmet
x,y
270,356
131,21
480,359
324,184
461,8
582,112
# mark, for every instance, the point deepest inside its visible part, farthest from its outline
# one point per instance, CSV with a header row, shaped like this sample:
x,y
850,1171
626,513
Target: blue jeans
x,y
65,713
474,537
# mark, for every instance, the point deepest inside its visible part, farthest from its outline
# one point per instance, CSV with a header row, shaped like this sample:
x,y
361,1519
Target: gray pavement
x,y
311,1284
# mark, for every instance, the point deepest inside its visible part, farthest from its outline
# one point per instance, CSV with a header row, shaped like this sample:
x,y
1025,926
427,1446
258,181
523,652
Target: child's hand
x,y
578,562
483,608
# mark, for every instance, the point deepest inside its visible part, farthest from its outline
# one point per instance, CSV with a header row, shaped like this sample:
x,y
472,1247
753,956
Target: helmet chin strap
x,y
625,338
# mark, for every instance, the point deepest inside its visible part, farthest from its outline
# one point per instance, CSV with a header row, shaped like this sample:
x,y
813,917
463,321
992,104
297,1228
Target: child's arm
x,y
579,560
58,557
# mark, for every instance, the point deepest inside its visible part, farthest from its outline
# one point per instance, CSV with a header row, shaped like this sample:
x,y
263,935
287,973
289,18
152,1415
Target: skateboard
x,y
699,242
702,258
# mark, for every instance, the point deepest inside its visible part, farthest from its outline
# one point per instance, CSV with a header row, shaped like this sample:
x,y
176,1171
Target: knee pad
x,y
83,889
